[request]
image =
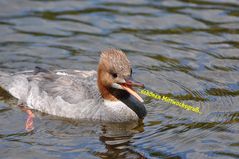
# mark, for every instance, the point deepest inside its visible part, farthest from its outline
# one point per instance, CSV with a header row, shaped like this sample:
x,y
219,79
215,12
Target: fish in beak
x,y
127,85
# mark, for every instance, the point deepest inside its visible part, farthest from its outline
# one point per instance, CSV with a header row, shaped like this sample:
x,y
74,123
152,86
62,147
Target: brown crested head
x,y
114,74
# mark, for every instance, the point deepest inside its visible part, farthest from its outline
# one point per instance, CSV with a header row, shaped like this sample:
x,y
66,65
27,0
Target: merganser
x,y
105,95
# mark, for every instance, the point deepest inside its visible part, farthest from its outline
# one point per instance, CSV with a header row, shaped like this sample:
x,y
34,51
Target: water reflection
x,y
187,50
118,139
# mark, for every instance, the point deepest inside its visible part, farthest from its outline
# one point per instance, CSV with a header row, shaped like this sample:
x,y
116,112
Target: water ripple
x,y
186,50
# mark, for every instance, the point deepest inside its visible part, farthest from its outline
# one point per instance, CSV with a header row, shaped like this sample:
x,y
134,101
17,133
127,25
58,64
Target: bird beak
x,y
128,84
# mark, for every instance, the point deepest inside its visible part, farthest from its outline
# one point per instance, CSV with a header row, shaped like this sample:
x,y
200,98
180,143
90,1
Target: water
x,y
186,50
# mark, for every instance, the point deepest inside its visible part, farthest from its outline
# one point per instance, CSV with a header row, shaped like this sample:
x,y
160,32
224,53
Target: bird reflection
x,y
118,139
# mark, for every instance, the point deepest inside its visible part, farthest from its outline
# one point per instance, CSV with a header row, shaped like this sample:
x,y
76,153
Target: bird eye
x,y
114,75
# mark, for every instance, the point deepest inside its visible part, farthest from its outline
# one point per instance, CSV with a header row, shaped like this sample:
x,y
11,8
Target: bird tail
x,y
5,79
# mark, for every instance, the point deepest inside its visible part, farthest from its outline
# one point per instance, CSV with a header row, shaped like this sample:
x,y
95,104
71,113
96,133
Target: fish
x,y
105,94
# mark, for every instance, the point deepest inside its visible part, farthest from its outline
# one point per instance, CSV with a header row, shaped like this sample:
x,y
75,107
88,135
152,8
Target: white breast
x,y
118,111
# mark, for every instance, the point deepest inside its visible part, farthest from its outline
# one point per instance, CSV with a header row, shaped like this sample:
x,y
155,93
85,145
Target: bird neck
x,y
105,91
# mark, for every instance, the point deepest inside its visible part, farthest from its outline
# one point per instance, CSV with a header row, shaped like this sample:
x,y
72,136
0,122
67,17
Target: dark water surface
x,y
185,49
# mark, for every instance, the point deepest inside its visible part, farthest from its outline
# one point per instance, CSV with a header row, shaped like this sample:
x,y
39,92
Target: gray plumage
x,y
65,93
75,94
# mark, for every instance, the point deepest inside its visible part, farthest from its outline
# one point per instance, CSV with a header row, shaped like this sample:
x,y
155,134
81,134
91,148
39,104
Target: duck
x,y
103,95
